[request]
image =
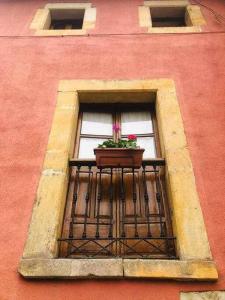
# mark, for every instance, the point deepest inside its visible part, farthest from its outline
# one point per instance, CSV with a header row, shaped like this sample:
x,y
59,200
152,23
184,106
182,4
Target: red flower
x,y
132,137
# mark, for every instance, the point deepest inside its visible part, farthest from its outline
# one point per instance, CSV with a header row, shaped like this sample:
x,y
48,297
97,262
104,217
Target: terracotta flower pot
x,y
118,157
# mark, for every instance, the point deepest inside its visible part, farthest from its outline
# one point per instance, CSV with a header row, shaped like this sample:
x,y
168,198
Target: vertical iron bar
x,y
111,204
158,199
146,197
99,197
122,197
87,198
134,202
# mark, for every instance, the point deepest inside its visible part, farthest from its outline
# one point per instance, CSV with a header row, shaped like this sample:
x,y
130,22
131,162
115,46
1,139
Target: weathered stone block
x,y
212,295
71,268
97,268
165,269
47,216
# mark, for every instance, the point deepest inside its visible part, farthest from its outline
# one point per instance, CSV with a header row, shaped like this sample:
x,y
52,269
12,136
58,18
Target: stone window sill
x,y
118,268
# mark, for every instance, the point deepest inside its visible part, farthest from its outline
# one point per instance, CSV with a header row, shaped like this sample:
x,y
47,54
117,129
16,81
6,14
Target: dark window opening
x,y
168,16
117,212
67,24
67,19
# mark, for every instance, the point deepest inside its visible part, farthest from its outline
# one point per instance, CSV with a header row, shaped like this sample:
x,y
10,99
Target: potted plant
x,y
121,153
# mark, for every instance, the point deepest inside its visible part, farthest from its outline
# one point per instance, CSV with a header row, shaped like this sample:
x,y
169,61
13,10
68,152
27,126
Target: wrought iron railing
x,y
117,212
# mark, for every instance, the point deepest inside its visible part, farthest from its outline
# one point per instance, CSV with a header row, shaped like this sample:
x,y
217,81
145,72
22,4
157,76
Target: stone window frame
x,y
40,256
193,16
42,19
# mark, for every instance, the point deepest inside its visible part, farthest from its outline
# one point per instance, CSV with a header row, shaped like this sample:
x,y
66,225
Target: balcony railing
x,y
117,212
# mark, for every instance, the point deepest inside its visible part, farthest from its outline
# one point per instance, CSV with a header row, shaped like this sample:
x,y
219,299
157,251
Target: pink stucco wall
x,y
30,70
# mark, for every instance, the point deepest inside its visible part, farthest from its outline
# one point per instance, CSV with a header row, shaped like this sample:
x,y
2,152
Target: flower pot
x,y
118,157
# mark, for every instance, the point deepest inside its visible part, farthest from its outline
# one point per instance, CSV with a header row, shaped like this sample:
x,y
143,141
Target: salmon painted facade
x,y
120,48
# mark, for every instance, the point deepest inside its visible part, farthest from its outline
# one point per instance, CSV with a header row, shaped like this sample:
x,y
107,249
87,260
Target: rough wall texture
x,y
30,70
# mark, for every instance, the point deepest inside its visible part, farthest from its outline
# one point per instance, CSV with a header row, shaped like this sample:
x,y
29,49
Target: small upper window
x,y
67,18
170,16
64,19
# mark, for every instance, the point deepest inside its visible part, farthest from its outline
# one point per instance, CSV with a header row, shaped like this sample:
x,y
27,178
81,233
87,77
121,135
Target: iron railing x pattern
x,y
117,212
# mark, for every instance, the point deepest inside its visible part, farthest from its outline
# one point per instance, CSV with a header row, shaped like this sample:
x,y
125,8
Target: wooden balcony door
x,y
114,212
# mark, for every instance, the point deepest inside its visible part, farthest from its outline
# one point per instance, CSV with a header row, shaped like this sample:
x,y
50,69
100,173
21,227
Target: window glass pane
x,y
148,144
87,145
97,123
136,122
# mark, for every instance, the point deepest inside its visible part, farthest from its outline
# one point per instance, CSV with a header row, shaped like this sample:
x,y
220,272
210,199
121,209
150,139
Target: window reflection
x,y
136,123
148,144
87,145
97,123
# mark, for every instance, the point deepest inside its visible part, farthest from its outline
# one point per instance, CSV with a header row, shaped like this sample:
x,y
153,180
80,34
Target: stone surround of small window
x,y
170,16
64,19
